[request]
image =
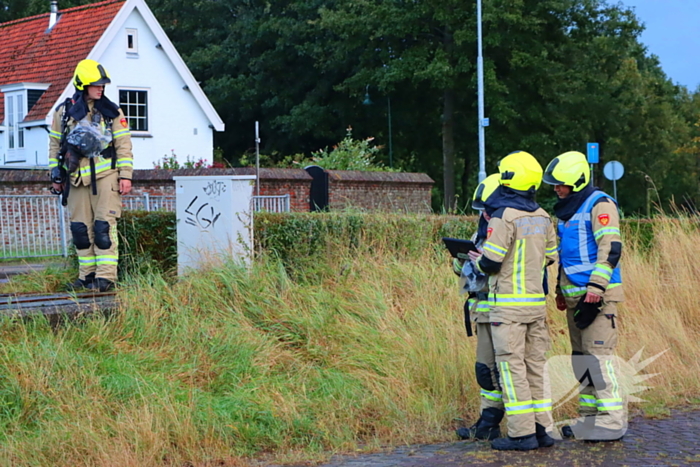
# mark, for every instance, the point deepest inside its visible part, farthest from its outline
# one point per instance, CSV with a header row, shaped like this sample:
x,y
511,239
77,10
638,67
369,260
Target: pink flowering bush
x,y
170,162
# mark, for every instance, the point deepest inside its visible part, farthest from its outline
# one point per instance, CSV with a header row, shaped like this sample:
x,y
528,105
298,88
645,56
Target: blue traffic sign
x,y
592,153
613,170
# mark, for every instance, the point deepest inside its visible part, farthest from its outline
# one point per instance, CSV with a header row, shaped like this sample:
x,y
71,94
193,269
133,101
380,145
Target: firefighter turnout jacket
x,y
591,249
121,139
520,244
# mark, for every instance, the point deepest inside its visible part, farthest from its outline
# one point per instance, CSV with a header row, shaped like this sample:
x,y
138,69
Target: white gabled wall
x,y
35,141
176,121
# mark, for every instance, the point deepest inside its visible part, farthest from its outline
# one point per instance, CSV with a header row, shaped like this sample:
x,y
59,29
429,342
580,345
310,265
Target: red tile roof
x,y
29,54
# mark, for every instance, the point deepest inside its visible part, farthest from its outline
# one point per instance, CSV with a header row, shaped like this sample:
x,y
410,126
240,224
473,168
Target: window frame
x,y
146,105
134,33
15,105
11,126
21,103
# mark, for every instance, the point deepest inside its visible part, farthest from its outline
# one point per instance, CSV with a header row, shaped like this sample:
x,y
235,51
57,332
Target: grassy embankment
x,y
368,349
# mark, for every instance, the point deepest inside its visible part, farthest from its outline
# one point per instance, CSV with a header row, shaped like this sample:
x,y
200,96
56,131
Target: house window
x,y
132,41
15,114
11,122
33,95
20,117
134,104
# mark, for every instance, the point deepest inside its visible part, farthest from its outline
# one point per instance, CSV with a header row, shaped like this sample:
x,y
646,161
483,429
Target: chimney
x,y
54,13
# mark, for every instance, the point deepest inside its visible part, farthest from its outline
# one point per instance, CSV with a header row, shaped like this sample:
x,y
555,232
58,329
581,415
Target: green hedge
x,y
308,243
147,240
293,235
300,240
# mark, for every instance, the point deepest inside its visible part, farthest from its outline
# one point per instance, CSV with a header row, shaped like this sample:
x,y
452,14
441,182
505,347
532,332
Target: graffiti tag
x,y
201,215
215,188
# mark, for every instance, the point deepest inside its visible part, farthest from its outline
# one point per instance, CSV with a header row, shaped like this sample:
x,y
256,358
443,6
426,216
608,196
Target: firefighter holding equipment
x,y
477,307
520,241
90,143
590,286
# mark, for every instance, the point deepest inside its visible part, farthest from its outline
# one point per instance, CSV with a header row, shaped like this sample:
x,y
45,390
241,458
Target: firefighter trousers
x,y
486,371
520,354
594,364
93,223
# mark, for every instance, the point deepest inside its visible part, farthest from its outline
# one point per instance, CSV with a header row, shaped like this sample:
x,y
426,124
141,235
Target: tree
x,y
420,45
17,9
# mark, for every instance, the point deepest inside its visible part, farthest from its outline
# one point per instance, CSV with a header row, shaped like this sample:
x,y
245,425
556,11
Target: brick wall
x,y
295,182
388,191
273,182
380,191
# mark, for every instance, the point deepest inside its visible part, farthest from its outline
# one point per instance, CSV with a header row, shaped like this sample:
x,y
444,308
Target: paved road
x,y
670,442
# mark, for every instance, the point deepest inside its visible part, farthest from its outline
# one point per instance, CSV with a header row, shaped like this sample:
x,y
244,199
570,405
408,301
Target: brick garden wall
x,y
273,182
380,191
371,191
295,182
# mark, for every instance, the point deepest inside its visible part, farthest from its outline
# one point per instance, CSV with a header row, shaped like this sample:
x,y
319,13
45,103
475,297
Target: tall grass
x,y
229,364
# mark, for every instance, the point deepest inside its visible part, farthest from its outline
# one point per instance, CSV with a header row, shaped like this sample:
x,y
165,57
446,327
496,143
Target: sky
x,y
672,34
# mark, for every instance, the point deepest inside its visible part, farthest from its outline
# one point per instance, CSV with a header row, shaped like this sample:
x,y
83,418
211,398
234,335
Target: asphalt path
x,y
674,441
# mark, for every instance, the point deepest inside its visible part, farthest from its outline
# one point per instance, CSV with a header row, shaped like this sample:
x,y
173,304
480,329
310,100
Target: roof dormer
x,y
29,92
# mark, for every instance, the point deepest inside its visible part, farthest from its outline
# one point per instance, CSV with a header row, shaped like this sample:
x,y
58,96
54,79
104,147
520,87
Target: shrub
x,y
348,154
302,240
148,239
171,163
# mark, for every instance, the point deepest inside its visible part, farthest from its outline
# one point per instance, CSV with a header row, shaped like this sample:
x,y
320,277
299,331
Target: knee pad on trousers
x,y
102,240
81,239
587,370
484,377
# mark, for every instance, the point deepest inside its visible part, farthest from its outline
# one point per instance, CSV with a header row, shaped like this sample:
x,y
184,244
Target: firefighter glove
x,y
585,313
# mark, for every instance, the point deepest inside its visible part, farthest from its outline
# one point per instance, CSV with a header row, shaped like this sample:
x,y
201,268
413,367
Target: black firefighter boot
x,y
543,439
80,284
580,427
486,428
101,284
521,443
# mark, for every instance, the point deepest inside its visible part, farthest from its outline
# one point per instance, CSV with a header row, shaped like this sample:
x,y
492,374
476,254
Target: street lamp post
x,y
368,101
391,149
483,122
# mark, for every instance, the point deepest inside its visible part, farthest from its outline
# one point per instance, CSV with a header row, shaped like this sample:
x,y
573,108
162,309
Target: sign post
x,y
592,153
614,171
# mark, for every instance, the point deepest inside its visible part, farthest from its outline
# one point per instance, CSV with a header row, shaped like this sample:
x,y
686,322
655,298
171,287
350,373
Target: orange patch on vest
x,y
123,122
604,219
488,233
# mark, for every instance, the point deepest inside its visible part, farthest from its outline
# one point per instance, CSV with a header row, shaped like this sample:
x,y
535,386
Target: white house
x,y
165,106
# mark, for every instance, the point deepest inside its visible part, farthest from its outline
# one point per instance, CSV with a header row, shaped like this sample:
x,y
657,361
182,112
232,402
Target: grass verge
x,y
228,364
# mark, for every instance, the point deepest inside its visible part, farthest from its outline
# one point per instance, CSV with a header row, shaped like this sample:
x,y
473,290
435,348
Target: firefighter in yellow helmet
x,y
476,309
589,288
520,241
91,166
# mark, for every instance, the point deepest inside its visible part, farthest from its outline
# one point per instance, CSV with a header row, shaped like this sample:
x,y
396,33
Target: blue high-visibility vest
x,y
578,250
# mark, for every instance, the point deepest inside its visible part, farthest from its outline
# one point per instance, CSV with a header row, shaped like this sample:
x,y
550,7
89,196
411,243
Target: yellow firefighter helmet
x,y
89,73
570,168
520,171
485,190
